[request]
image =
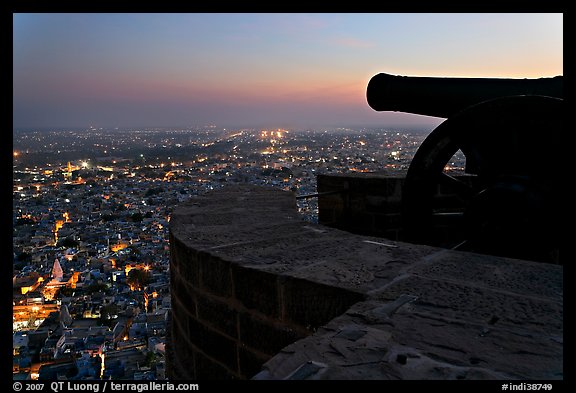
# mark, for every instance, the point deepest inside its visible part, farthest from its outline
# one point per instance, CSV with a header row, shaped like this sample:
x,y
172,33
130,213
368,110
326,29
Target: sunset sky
x,y
271,70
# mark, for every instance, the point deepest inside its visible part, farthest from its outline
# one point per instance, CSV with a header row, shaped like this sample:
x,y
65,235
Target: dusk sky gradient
x,y
257,70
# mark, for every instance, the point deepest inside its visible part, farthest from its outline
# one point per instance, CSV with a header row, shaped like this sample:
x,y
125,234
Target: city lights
x,y
108,229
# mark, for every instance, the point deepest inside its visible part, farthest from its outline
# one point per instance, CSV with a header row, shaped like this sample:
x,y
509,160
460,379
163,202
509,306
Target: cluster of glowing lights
x,y
363,170
118,246
59,224
274,136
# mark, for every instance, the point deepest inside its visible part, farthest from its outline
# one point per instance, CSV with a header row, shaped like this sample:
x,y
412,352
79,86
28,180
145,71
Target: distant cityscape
x,y
91,212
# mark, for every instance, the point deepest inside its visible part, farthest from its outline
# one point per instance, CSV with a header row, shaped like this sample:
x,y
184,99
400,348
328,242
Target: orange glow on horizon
x,y
333,88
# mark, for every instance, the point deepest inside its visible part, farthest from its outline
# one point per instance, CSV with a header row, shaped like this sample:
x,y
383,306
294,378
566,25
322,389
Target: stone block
x,y
207,369
310,304
184,295
264,336
250,362
215,276
256,290
216,345
184,364
384,222
219,315
184,260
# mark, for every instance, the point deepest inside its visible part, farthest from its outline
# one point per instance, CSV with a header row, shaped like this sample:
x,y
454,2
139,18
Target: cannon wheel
x,y
509,194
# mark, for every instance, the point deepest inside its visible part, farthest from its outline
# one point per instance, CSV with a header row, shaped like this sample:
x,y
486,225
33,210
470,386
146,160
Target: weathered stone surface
x,y
378,309
263,336
266,299
211,370
219,315
250,361
210,342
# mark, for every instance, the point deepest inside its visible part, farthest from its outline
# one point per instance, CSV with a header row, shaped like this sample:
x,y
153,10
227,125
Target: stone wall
x,y
229,318
371,203
368,204
259,293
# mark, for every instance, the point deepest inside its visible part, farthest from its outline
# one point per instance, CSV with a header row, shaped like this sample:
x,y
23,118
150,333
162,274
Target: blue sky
x,y
272,70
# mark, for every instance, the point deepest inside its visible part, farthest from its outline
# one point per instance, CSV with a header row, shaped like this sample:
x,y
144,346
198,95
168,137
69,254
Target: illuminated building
x,y
56,283
68,173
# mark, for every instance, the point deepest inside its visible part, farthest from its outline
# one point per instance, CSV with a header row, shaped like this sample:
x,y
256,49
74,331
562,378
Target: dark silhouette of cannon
x,y
509,197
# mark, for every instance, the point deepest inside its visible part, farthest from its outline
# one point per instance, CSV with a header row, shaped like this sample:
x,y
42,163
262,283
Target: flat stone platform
x,y
350,306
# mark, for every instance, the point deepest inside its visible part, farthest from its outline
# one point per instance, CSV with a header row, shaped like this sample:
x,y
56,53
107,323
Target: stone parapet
x,y
259,293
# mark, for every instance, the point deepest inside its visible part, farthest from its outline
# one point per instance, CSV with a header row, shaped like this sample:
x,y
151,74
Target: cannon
x,y
509,196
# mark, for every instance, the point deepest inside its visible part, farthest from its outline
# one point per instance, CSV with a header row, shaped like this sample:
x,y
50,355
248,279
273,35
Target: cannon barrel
x,y
443,97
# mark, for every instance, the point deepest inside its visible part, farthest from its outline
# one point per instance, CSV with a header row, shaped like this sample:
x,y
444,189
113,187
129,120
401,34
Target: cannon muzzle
x,y
443,97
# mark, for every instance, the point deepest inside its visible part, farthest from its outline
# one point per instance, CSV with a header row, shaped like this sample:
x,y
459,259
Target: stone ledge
x,y
373,308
